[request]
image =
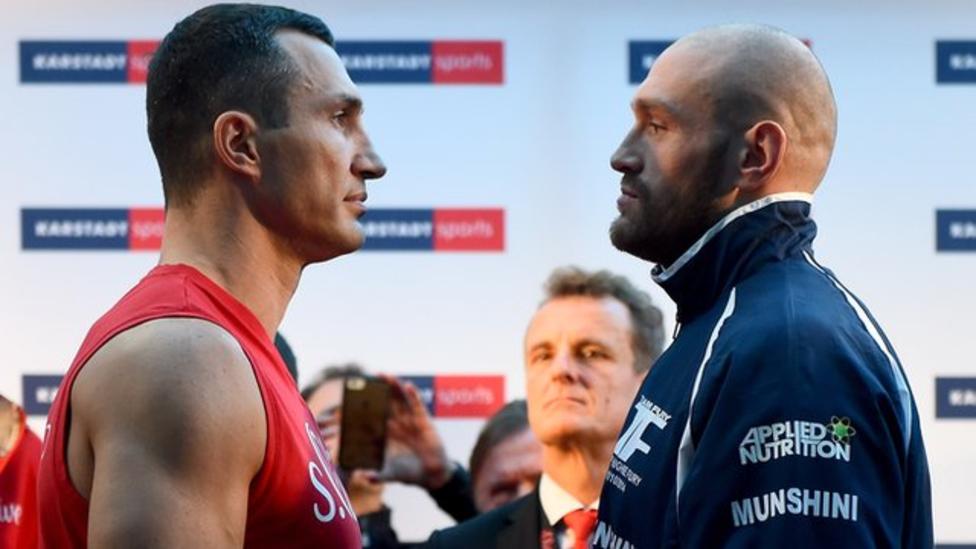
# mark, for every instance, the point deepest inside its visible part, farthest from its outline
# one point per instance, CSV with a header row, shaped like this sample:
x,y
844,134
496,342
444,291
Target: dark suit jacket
x,y
520,524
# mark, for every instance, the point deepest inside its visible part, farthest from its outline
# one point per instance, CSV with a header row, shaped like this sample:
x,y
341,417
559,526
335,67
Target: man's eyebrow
x,y
654,105
346,101
540,345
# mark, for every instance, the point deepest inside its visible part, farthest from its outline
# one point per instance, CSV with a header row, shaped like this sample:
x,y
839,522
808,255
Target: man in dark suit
x,y
586,351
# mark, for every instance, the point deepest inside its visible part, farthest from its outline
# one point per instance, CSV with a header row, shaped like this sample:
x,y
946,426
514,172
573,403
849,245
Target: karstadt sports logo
x,y
437,229
91,228
94,61
427,230
455,396
368,62
424,62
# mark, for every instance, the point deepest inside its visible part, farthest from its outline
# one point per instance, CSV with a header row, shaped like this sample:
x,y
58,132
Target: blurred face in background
x,y
325,401
579,365
511,470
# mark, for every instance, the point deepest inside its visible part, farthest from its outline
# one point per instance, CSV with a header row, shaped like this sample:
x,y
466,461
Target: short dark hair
x,y
287,355
221,57
647,320
510,420
337,371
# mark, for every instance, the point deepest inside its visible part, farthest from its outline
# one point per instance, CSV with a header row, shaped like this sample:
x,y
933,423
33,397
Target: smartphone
x,y
362,434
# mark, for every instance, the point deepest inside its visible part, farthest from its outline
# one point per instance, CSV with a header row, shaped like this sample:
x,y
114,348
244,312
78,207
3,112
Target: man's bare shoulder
x,y
171,378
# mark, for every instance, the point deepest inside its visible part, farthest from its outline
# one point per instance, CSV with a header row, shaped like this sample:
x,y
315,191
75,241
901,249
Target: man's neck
x,y
239,254
578,470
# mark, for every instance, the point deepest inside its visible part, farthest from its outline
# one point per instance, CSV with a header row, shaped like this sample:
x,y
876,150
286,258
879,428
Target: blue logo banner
x,y
387,62
955,230
955,62
643,53
73,62
955,397
395,229
74,229
425,386
39,393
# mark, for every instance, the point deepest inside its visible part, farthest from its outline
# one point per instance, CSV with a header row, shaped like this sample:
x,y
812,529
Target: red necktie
x,y
581,522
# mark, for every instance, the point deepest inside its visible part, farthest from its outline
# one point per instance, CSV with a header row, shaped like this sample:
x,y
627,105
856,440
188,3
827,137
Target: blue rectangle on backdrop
x,y
425,386
643,53
73,62
955,397
74,229
39,393
955,230
955,62
382,62
398,229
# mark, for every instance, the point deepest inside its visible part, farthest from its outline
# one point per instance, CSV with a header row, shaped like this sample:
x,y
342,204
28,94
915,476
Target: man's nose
x,y
369,165
563,366
625,159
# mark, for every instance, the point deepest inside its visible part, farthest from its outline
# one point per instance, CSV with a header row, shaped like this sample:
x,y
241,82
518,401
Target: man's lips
x,y
628,192
564,399
357,197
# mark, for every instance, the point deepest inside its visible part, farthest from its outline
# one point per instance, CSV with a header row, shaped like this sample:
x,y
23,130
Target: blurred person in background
x,y
20,452
586,350
287,355
415,455
506,461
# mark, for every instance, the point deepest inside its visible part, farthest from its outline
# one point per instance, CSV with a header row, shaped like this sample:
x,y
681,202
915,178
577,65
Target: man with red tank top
x,y
20,450
177,424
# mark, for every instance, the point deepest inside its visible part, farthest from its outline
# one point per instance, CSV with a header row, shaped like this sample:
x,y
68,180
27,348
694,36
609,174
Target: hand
x,y
415,453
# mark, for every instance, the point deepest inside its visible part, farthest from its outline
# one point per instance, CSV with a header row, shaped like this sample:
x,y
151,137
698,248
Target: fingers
x,y
414,400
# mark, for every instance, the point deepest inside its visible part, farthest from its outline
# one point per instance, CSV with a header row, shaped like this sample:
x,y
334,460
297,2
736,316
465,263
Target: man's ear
x,y
763,154
235,142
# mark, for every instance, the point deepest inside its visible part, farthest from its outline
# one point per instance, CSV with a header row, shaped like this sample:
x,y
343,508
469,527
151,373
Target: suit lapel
x,y
525,525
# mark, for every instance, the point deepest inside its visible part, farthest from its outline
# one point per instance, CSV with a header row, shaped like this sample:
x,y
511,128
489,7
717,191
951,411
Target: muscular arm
x,y
168,430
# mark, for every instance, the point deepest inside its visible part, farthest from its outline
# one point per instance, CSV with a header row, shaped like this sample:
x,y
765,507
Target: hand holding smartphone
x,y
365,410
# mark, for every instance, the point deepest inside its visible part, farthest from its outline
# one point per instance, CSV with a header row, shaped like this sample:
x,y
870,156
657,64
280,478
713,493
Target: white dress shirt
x,y
556,504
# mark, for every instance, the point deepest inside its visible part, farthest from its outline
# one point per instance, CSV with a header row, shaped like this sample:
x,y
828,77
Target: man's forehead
x,y
676,81
319,66
577,317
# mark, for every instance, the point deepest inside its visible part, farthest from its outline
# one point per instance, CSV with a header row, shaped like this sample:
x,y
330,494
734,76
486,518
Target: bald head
x,y
747,74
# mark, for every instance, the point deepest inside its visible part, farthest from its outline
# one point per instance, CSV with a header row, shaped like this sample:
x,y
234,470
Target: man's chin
x,y
624,237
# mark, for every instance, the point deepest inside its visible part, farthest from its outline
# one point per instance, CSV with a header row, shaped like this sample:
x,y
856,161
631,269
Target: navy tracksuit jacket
x,y
802,431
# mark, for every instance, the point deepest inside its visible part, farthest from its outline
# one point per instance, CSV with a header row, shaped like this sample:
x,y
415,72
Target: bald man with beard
x,y
780,416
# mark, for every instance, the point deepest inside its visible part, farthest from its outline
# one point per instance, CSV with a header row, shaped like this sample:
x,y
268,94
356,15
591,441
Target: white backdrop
x,y
537,146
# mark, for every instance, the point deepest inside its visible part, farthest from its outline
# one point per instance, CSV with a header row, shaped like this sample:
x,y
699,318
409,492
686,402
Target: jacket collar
x,y
526,525
772,228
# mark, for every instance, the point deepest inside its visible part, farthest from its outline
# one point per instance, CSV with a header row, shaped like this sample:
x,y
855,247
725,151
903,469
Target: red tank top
x,y
18,490
295,500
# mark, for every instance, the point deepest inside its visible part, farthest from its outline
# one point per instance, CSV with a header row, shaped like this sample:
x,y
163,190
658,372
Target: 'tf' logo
x,y
632,441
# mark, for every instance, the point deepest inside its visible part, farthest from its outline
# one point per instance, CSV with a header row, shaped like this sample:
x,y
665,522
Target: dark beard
x,y
666,226
661,237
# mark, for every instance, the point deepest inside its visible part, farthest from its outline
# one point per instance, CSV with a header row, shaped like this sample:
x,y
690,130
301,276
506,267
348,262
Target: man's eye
x,y
339,117
541,356
592,352
654,128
